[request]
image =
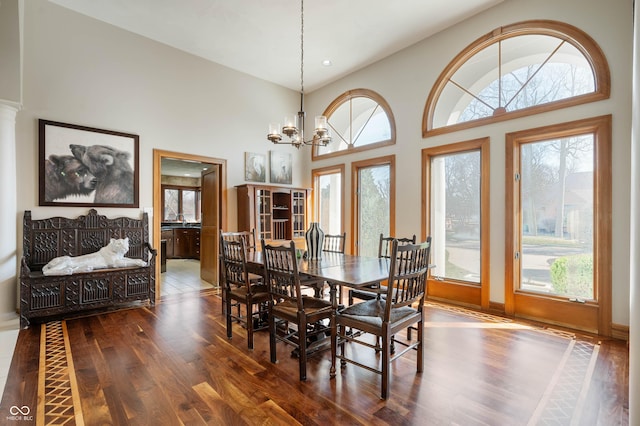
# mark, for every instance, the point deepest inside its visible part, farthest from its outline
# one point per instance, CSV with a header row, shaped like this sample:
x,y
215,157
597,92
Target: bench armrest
x,y
154,252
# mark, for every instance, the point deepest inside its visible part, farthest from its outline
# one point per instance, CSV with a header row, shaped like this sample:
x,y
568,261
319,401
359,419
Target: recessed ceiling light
x,y
327,62
187,174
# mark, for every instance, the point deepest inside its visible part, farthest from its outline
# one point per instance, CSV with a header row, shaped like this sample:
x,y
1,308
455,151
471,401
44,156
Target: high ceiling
x,y
262,37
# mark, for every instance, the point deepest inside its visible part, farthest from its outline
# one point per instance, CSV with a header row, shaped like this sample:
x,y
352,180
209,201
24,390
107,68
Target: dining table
x,y
336,269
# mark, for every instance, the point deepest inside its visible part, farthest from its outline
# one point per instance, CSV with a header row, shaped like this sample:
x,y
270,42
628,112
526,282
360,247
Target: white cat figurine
x,y
110,256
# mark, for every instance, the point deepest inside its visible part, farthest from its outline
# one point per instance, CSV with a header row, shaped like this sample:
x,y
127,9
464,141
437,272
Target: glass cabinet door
x,y
298,210
263,207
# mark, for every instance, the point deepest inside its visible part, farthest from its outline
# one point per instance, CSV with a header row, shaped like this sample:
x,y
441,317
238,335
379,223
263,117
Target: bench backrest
x,y
46,239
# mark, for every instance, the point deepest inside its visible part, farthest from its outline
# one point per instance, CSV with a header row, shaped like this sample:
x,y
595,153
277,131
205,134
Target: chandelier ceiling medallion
x,y
293,126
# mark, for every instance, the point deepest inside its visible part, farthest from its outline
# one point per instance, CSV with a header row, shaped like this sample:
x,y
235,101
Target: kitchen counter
x,y
169,226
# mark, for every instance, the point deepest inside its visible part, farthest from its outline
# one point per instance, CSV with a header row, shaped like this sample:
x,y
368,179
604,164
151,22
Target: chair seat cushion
x,y
254,277
259,291
372,312
311,305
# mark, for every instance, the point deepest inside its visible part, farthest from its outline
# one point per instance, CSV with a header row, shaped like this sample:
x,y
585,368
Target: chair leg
x,y
249,324
228,315
224,301
420,355
272,335
386,356
239,311
409,331
342,335
334,347
302,347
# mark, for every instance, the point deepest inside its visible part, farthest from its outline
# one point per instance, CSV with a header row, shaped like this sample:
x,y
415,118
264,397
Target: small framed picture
x,y
255,169
280,167
84,166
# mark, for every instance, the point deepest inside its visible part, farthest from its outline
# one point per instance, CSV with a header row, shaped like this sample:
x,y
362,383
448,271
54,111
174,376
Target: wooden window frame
x,y
449,289
315,177
579,39
181,188
346,97
355,219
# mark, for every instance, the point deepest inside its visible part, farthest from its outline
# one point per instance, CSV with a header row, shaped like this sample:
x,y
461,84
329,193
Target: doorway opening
x,y
189,209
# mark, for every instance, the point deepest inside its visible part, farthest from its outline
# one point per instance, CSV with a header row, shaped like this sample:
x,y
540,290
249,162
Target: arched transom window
x,y
521,69
359,119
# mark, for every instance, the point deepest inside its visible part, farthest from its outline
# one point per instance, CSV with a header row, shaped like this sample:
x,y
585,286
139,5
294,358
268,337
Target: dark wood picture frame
x,y
85,166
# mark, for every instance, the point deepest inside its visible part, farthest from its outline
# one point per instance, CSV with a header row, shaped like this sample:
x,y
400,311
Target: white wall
x,y
82,71
405,80
10,48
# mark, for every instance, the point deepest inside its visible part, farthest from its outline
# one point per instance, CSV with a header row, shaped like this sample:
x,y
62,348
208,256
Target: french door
x,y
558,256
456,216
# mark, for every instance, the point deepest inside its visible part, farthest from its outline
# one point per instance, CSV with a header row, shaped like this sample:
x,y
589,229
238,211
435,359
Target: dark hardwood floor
x,y
172,364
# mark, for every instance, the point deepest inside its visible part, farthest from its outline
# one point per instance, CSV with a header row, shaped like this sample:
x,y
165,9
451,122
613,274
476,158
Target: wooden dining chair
x,y
249,238
384,317
335,244
240,291
289,306
378,290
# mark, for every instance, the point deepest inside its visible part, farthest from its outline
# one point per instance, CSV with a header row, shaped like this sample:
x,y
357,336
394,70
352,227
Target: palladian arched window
x,y
521,69
359,119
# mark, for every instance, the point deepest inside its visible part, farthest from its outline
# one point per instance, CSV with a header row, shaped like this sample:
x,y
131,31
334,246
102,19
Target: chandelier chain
x,y
302,46
294,124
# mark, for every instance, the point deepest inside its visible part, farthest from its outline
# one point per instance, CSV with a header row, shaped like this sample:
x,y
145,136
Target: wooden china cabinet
x,y
275,212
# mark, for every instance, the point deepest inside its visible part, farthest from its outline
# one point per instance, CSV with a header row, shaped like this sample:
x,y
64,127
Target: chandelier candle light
x,y
293,126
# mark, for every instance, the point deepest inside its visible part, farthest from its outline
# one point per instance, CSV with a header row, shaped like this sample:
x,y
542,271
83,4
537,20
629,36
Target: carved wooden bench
x,y
43,297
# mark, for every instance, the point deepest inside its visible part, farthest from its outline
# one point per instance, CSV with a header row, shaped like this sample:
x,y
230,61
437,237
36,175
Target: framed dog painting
x,y
84,166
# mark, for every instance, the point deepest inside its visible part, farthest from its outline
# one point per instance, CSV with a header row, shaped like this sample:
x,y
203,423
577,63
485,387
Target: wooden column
x,y
634,299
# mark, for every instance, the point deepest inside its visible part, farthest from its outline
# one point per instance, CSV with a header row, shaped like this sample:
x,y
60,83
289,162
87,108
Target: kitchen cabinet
x,y
182,243
168,236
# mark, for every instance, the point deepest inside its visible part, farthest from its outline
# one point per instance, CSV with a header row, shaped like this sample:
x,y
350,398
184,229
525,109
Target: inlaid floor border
x,y
483,316
58,397
563,400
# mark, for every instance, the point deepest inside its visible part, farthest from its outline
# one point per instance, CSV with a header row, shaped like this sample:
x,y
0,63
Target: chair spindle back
x,y
408,275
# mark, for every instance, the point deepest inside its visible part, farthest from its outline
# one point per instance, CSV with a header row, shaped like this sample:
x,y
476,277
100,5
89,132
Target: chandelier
x,y
293,126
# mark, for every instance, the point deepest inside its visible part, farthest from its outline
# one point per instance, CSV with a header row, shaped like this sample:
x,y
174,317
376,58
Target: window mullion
x,y
534,74
365,124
